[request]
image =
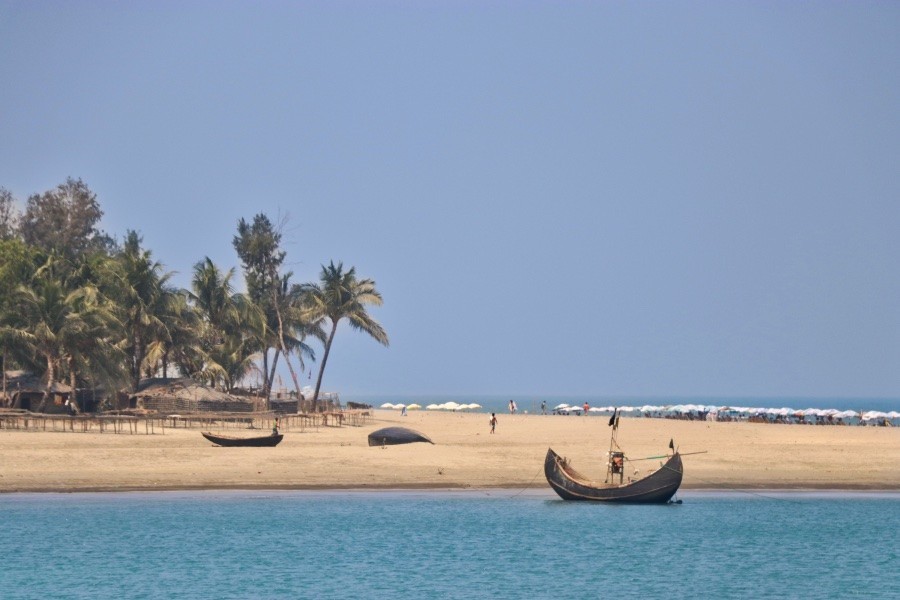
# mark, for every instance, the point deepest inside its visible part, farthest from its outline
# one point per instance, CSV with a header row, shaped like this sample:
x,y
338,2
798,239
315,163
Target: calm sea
x,y
532,404
473,544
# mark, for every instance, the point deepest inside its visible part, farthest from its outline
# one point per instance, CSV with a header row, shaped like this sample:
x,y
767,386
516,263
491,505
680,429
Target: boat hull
x,y
255,442
656,488
390,436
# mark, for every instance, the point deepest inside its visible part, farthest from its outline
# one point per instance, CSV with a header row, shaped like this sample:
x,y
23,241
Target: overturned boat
x,y
656,488
262,441
390,436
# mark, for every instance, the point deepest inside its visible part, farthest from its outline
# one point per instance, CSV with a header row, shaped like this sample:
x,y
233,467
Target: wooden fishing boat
x,y
262,441
656,488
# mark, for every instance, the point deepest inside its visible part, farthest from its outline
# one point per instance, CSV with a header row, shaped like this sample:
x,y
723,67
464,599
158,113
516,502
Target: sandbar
x,y
729,456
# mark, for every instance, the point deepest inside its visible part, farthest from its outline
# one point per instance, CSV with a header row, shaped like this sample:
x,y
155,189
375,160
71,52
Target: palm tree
x,y
61,327
339,296
230,323
139,289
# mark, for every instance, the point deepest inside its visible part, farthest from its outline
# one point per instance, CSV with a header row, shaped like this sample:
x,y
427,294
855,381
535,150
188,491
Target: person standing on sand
x,y
543,407
493,422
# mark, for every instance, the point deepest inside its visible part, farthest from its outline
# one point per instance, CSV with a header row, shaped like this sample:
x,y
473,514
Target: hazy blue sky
x,y
614,198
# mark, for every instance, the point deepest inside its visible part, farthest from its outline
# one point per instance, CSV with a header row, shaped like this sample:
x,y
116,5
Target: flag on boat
x,y
612,419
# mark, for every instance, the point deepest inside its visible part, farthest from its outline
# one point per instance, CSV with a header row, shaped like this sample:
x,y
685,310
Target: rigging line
x,y
734,489
526,487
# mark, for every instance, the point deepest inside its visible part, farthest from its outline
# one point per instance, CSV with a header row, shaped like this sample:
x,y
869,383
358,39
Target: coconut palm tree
x,y
341,296
230,323
62,327
139,288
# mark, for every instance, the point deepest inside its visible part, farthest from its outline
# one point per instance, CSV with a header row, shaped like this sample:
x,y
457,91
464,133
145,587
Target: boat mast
x,y
612,467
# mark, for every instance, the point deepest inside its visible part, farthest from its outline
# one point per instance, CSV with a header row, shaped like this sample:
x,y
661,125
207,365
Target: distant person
x,y
275,427
493,422
587,407
512,407
403,412
543,407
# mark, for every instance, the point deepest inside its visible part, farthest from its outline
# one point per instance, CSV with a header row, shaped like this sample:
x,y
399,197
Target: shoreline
x,y
543,491
739,456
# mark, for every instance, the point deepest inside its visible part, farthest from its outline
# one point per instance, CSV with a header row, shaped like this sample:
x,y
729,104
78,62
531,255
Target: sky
x,y
581,198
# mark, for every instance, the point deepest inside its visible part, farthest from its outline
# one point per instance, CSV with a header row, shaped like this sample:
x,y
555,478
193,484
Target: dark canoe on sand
x,y
224,440
656,488
390,436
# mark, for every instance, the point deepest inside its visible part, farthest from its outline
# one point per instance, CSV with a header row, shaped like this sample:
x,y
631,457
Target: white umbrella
x,y
413,406
873,414
387,405
433,407
560,406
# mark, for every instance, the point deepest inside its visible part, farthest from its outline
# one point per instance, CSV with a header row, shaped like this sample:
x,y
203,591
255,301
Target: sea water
x,y
471,544
531,404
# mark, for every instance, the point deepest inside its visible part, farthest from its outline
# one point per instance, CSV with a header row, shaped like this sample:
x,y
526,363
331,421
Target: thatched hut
x,y
26,391
169,396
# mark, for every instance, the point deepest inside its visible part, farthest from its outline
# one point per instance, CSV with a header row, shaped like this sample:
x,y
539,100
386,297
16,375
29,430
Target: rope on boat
x,y
733,489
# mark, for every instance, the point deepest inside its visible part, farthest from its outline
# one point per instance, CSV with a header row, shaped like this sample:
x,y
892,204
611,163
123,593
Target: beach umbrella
x,y
413,406
873,414
560,406
893,415
473,405
387,405
597,409
433,407
450,405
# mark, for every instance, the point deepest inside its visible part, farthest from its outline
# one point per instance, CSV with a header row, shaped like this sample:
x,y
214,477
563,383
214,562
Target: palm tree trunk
x,y
270,374
72,382
3,368
285,351
50,380
265,370
322,366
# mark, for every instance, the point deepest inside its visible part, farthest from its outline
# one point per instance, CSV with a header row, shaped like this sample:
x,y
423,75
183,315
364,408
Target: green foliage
x,y
76,307
64,220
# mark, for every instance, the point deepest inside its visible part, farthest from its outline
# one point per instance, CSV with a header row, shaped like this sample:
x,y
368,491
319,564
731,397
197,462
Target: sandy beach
x,y
738,455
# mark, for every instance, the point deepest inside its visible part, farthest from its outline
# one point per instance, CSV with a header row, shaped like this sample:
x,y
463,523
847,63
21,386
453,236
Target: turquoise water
x,y
532,403
473,544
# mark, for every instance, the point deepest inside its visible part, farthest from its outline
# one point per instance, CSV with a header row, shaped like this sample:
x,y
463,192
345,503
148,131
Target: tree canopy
x,y
76,306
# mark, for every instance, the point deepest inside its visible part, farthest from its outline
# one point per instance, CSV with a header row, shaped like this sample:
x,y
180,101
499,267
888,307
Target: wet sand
x,y
465,455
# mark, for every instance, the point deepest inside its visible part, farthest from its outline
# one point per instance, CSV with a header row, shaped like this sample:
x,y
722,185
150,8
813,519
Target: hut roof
x,y
23,381
183,387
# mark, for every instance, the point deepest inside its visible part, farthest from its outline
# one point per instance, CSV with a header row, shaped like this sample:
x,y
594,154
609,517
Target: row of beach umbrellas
x,y
746,410
452,406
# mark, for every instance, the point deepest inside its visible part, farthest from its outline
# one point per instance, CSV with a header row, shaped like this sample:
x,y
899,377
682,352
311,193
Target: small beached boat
x,y
390,436
656,488
261,441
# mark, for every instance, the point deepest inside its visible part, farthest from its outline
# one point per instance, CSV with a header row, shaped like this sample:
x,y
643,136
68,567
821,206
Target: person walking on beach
x,y
493,422
512,407
543,407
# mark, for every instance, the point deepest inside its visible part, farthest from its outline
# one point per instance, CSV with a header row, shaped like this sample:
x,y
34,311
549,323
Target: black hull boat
x,y
390,436
262,441
656,488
